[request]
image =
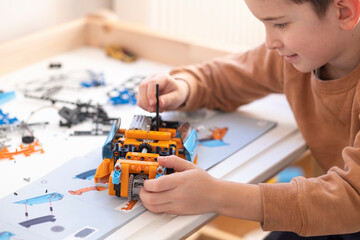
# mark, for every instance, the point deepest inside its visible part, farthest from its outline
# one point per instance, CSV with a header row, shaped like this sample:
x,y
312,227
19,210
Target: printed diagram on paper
x,y
67,204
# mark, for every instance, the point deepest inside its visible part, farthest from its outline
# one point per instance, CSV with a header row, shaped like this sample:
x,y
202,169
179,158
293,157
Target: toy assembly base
x,y
66,204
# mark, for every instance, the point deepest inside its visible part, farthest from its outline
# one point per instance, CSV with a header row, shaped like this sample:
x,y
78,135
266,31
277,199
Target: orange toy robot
x,y
130,156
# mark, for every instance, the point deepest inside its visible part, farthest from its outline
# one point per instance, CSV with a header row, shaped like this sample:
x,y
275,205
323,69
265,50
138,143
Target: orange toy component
x,y
153,135
104,170
130,156
26,150
120,53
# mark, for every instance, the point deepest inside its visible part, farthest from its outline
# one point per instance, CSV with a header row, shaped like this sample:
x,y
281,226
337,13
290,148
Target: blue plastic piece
x,y
106,149
6,96
161,174
116,177
96,79
191,145
4,118
125,96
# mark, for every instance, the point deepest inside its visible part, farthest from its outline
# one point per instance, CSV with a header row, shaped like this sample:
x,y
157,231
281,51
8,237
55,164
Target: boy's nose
x,y
272,42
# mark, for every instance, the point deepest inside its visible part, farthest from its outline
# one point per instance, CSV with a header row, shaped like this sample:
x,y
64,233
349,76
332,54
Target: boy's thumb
x,y
178,164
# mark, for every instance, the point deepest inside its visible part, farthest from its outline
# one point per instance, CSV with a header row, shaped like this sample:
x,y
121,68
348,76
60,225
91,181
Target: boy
x,y
312,55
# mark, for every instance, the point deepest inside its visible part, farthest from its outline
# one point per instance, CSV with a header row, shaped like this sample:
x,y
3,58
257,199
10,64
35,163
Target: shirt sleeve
x,y
327,205
231,81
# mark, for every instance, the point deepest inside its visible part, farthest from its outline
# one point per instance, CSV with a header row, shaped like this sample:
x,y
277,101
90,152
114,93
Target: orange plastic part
x,y
26,150
120,53
133,166
137,166
153,135
124,180
104,170
150,157
111,187
170,130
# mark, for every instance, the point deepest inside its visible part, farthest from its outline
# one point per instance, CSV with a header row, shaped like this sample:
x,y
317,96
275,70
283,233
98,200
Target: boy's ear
x,y
348,12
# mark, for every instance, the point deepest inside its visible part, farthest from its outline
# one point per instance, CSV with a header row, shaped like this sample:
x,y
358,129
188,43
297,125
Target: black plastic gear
x,y
145,145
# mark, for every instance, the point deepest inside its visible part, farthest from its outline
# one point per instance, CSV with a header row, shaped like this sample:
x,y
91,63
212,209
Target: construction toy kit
x,y
71,133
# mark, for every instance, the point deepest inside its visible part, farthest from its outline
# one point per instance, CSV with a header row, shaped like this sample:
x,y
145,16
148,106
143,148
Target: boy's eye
x,y
280,25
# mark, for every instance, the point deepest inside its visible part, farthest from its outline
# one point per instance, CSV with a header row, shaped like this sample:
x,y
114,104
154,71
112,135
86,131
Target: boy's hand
x,y
172,93
190,190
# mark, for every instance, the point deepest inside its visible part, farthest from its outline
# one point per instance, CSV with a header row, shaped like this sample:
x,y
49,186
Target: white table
x,y
256,162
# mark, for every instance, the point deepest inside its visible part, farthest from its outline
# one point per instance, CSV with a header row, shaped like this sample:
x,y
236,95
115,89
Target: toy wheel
x,y
146,146
131,186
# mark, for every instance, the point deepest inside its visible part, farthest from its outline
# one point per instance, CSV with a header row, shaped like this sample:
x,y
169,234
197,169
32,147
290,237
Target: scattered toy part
x,y
6,120
55,65
26,150
125,96
6,96
120,53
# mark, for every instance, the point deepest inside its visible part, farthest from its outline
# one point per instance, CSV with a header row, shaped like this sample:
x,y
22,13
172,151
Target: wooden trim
x,y
99,31
148,44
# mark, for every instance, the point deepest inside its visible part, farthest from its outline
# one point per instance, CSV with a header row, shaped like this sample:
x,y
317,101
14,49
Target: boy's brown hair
x,y
320,6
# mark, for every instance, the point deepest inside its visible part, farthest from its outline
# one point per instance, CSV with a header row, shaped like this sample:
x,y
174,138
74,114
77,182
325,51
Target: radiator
x,y
224,24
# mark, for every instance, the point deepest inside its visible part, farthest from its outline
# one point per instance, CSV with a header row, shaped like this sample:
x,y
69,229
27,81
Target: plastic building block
x,y
120,53
130,156
55,65
26,150
96,80
6,120
6,96
125,96
80,113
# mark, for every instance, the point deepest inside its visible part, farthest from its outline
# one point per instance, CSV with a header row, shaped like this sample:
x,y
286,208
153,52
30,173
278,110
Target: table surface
x,y
252,164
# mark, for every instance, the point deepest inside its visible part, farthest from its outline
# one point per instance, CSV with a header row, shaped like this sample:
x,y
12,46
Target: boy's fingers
x,y
143,101
151,92
168,182
158,208
163,183
154,198
147,85
167,99
178,164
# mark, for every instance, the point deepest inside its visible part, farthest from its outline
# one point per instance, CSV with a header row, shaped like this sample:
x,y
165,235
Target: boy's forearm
x,y
239,200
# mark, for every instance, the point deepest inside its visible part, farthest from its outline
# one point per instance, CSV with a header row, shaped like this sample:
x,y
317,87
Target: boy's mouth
x,y
290,58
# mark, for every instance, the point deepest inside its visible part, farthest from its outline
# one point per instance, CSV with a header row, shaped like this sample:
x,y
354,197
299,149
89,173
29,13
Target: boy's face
x,y
298,33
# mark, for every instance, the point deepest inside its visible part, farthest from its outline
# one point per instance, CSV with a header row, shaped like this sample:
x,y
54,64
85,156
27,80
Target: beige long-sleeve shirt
x,y
327,114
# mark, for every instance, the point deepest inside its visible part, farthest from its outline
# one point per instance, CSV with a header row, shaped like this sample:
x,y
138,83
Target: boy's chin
x,y
303,69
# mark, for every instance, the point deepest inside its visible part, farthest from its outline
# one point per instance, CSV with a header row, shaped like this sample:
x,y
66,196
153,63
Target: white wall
x,y
225,24
21,17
